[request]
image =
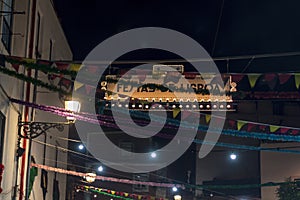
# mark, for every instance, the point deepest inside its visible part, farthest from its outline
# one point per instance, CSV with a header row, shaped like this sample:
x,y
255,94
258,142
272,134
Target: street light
x,y
90,177
100,168
80,147
35,129
233,156
174,189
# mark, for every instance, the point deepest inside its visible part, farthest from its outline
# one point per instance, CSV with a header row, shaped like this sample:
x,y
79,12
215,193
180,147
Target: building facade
x,y
30,29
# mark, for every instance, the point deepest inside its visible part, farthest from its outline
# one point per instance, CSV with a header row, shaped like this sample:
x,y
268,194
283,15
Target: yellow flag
x,y
140,197
274,128
176,111
240,124
77,85
126,194
207,118
74,67
113,192
297,80
252,79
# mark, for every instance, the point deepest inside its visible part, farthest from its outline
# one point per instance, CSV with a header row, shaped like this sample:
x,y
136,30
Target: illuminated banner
x,y
162,88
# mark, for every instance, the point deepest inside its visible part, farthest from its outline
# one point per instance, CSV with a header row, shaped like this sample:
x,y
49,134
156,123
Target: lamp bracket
x,y
35,129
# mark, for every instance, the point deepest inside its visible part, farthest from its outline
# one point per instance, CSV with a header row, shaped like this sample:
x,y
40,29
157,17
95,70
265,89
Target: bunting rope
x,y
155,184
275,82
104,178
117,194
34,81
62,112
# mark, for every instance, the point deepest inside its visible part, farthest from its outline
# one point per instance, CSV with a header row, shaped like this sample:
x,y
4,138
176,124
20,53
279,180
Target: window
x,y
2,124
138,187
7,24
37,42
50,50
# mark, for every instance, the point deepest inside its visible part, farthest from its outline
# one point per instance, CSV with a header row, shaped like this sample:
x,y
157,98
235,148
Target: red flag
x,y
250,126
237,77
283,78
284,130
232,123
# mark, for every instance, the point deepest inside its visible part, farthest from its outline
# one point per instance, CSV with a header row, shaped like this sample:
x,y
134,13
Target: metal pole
x,y
28,170
17,162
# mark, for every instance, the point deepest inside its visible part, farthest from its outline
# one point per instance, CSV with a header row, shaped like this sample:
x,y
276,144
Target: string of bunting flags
x,y
249,86
124,195
104,178
117,194
279,134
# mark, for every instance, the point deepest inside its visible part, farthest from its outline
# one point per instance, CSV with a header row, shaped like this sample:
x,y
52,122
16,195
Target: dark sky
x,y
247,26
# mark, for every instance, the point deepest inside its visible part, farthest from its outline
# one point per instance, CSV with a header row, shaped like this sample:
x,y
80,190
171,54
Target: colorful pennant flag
x,y
252,79
207,118
240,124
77,85
297,80
176,111
274,128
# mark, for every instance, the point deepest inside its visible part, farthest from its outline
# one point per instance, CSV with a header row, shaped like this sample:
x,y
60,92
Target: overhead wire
x,y
190,60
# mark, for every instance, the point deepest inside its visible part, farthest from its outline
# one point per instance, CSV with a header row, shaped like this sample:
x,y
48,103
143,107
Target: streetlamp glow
x,y
153,155
90,177
100,168
174,189
80,147
177,197
233,156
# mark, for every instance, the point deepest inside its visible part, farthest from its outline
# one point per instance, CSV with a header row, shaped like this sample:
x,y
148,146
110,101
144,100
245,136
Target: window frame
x,y
6,39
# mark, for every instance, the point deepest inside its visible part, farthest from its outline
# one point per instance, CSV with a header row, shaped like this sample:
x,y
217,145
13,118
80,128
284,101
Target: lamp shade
x,y
73,106
90,177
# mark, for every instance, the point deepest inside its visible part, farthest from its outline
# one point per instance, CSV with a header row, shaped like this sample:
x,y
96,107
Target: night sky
x,y
247,27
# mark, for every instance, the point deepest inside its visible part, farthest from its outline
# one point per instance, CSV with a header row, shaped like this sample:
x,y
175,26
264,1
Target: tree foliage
x,y
288,191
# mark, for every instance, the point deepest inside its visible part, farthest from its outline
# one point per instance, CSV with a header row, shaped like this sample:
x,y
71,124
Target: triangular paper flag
x,y
77,85
16,67
126,194
207,118
295,132
273,128
284,130
185,114
231,123
271,80
252,79
250,126
75,67
88,89
297,80
176,111
113,192
240,124
237,77
283,78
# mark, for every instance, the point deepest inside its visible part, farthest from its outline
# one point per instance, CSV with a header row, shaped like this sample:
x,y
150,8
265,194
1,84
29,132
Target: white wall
x,y
50,29
277,167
